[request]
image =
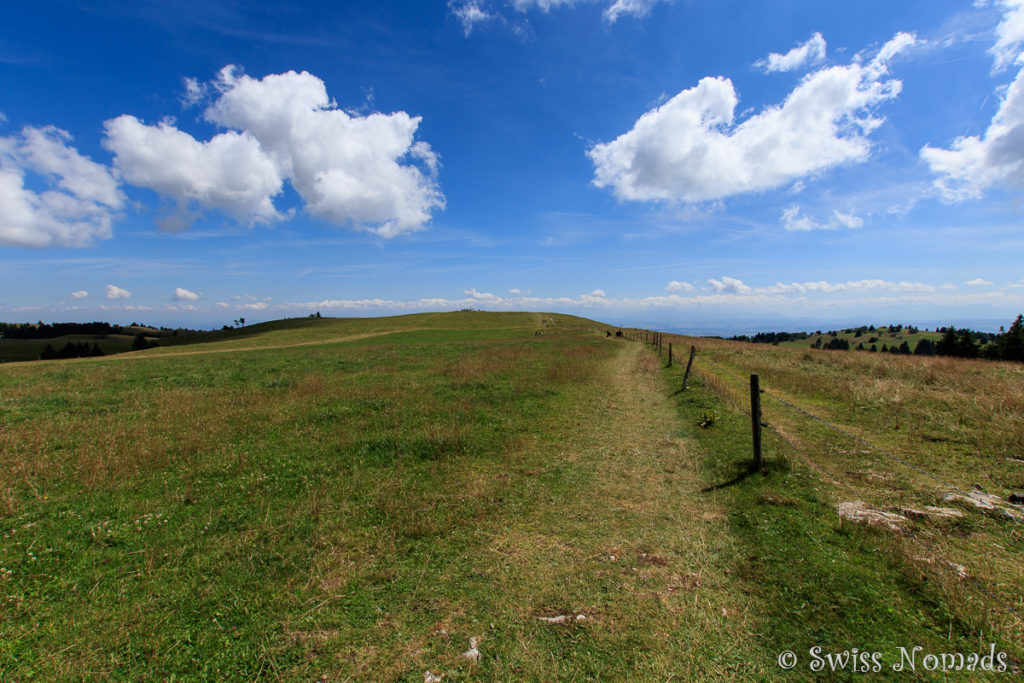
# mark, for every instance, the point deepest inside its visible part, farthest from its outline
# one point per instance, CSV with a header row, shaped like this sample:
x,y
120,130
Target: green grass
x,y
888,589
822,583
882,337
346,509
356,499
17,350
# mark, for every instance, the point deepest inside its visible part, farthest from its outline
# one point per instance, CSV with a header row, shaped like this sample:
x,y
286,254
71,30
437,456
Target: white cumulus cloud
x,y
1009,34
974,163
115,292
182,294
480,296
367,172
729,285
978,282
677,286
79,204
811,52
229,172
80,294
689,149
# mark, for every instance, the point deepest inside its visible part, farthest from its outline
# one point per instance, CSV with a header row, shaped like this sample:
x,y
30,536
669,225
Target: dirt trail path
x,y
635,546
233,349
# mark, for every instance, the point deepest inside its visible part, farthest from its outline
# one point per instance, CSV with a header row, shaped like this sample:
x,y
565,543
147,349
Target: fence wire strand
x,y
972,581
860,440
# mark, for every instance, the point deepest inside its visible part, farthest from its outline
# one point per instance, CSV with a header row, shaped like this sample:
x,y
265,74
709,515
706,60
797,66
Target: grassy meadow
x,y
879,337
369,499
913,429
20,350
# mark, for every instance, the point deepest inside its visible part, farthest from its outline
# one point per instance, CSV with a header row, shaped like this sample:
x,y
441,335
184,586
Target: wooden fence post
x,y
755,417
686,377
670,354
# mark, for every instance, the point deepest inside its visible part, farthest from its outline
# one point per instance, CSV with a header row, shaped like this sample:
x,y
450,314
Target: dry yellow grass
x,y
944,424
635,524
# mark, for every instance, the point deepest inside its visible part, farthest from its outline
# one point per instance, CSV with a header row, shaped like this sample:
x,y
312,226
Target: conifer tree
x,y
1011,343
947,345
965,346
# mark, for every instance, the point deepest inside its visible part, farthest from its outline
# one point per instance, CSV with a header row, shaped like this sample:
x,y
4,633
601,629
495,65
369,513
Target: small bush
x,y
707,418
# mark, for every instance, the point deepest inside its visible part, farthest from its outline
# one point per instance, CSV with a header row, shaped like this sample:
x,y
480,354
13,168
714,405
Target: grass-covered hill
x,y
487,496
1007,344
26,343
881,338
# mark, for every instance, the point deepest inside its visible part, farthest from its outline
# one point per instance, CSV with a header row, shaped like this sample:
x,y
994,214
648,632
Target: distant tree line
x,y
41,330
1007,344
772,337
71,350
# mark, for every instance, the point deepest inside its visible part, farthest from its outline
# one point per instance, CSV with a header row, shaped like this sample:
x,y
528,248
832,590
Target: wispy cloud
x,y
794,221
974,164
469,13
81,200
811,52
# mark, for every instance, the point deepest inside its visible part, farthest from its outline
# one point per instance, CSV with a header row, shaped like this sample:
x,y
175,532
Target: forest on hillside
x,y
1007,344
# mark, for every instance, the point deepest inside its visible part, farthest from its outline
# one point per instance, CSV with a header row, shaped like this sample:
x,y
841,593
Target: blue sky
x,y
687,164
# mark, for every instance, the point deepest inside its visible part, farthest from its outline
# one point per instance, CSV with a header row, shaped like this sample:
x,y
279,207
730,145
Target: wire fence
x,y
970,581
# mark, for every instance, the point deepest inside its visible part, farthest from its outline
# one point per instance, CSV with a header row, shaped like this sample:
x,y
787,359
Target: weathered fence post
x,y
755,417
689,364
670,354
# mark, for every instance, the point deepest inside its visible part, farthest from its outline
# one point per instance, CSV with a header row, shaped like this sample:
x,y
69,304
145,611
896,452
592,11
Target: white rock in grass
x,y
472,653
560,619
431,677
859,512
985,501
563,618
932,511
